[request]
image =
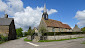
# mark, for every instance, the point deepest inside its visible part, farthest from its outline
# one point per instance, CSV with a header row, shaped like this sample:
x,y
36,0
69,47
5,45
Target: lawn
x,y
27,39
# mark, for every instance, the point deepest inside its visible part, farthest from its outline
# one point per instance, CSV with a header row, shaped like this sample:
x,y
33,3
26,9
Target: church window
x,y
53,29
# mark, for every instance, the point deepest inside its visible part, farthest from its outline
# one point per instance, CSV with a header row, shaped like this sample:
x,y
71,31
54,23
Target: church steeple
x,y
45,15
45,10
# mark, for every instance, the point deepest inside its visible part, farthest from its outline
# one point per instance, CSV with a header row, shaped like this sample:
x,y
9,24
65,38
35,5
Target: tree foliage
x,y
25,33
19,32
30,31
83,29
42,29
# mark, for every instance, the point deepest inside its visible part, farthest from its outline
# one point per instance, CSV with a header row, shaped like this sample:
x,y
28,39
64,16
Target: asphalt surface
x,y
20,43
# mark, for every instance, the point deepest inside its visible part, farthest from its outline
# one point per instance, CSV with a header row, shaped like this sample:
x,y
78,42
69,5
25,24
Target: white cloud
x,y
80,15
52,11
11,6
24,17
3,6
29,17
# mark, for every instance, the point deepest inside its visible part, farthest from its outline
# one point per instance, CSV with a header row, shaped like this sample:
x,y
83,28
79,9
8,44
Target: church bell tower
x,y
45,15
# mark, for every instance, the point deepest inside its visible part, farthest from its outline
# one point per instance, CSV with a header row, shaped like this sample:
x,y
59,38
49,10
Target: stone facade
x,y
7,27
53,29
4,30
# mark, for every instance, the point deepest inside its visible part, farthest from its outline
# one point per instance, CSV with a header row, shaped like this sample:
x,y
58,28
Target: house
x,y
52,25
7,27
76,29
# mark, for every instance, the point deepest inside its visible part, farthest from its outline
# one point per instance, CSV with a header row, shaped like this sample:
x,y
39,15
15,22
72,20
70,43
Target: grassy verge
x,y
83,42
1,42
27,39
58,40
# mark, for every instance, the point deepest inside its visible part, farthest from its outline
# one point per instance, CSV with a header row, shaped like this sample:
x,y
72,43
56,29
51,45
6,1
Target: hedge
x,y
61,33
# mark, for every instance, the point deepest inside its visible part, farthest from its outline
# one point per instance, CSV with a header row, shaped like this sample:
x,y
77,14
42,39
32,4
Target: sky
x,y
29,12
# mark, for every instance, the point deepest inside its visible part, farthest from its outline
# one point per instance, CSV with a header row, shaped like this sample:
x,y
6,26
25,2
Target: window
x,y
53,29
46,17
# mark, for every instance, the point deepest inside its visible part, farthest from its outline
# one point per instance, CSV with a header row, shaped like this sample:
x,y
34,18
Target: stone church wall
x,y
42,24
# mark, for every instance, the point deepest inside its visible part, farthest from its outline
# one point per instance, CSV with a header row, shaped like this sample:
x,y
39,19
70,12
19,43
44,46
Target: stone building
x,y
76,29
53,25
7,27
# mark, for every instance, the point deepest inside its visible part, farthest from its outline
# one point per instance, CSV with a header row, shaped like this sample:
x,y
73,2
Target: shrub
x,y
4,38
63,33
19,32
25,33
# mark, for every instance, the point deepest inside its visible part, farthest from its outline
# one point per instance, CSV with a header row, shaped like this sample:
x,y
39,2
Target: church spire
x,y
45,10
45,15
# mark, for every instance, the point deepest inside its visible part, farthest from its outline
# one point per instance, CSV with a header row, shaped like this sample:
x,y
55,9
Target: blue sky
x,y
68,10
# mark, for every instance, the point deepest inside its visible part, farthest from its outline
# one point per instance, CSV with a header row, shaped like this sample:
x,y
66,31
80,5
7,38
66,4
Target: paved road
x,y
20,43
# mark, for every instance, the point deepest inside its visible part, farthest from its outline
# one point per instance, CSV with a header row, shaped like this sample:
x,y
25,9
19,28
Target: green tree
x,y
25,33
19,32
42,30
30,31
83,29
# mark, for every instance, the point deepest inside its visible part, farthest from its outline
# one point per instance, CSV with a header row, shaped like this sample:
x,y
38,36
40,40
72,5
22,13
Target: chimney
x,y
6,16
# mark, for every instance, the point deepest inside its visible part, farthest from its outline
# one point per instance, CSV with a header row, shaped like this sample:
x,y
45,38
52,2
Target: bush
x,y
25,33
63,33
19,32
83,29
4,38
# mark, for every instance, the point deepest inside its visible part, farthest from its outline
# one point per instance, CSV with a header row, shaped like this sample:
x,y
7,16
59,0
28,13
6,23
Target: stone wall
x,y
42,24
64,37
4,30
49,29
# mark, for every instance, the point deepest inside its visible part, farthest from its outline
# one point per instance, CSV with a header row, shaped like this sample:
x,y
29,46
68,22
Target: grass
x,y
83,42
27,39
1,42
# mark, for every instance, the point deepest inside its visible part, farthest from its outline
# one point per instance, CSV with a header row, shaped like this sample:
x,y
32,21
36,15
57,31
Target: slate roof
x,y
5,21
55,23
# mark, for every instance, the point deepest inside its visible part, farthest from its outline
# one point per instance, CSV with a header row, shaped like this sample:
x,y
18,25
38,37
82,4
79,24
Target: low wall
x,y
29,37
58,37
64,37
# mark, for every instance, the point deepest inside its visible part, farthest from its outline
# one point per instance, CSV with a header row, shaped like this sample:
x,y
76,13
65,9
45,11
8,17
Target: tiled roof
x,y
5,21
55,23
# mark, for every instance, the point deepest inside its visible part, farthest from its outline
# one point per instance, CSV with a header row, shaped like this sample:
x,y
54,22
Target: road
x,y
20,43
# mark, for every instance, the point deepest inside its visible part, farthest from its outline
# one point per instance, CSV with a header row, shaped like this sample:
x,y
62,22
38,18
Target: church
x,y
52,25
